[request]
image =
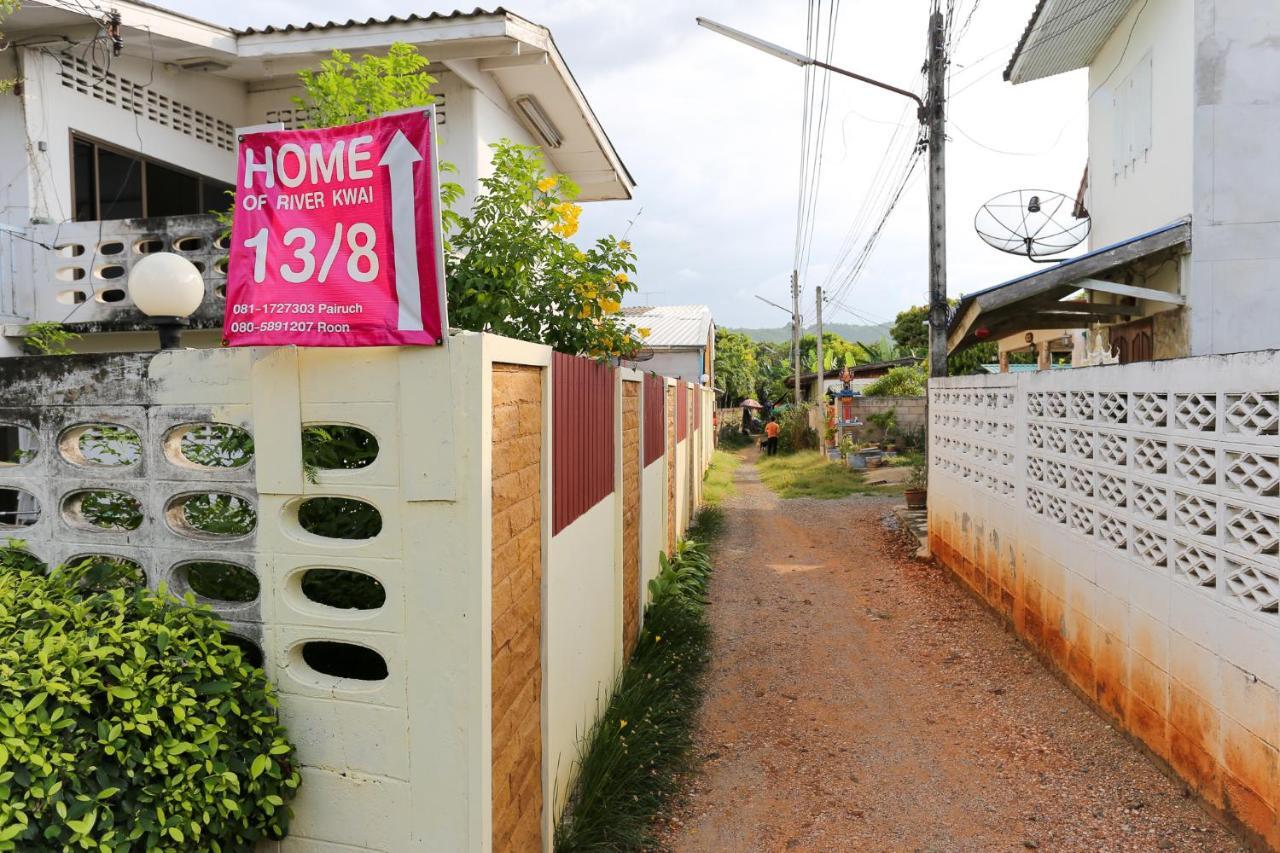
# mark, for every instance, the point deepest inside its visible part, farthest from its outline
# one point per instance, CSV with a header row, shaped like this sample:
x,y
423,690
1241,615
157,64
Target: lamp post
x,y
168,289
931,117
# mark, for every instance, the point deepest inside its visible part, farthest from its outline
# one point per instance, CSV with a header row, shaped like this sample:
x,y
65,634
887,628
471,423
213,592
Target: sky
x,y
711,131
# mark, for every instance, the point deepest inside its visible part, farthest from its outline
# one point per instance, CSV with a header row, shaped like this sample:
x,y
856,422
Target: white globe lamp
x,y
167,288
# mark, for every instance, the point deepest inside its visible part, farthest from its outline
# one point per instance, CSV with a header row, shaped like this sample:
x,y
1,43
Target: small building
x,y
1184,248
119,139
680,341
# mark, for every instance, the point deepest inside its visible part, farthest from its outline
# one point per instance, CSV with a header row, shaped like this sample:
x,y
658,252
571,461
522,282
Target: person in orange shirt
x,y
771,437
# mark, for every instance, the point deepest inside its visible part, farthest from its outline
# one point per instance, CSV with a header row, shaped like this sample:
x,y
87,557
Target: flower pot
x,y
857,461
916,498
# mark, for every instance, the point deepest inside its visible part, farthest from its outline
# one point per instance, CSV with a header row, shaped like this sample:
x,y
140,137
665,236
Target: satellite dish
x,y
1031,223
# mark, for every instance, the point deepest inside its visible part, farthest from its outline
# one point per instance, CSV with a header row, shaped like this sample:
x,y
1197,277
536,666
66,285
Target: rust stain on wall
x,y
1233,768
630,515
516,684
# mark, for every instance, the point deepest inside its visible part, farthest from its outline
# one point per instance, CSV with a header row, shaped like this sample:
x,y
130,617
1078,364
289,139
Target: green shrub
x,y
128,721
732,437
795,434
899,382
631,760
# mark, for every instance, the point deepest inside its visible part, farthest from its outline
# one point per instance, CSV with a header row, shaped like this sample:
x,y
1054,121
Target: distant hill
x,y
848,331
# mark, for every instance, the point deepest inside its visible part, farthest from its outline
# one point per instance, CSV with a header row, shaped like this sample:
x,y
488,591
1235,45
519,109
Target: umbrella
x,y
750,403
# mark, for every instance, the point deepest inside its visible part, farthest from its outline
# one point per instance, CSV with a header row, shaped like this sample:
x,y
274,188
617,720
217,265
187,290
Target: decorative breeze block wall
x,y
1127,520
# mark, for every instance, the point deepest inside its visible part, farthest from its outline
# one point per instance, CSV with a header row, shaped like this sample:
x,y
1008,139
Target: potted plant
x,y
917,492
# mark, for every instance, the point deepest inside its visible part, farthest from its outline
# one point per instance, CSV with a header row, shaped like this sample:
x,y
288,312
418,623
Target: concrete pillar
x,y
1043,358
1004,362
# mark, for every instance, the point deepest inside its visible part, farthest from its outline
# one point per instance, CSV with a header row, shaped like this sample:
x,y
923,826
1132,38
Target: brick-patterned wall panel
x,y
630,514
682,411
671,470
517,608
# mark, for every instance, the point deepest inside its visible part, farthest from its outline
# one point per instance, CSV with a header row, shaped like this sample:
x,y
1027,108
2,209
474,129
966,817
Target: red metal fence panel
x,y
582,450
654,418
682,410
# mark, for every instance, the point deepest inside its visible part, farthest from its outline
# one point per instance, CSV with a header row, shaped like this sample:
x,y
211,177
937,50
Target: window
x,y
1131,117
108,183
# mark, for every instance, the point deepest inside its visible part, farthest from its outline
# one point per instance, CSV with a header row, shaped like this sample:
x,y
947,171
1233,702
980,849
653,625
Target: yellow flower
x,y
585,312
624,245
568,213
644,331
620,278
579,256
610,306
622,724
546,185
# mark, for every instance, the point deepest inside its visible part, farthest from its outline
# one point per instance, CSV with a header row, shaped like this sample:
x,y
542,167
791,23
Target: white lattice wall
x,y
1127,520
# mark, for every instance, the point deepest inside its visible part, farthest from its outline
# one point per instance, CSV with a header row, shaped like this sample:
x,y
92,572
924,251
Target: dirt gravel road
x,y
859,700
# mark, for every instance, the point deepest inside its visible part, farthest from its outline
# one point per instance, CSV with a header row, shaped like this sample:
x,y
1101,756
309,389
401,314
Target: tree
x,y
836,352
511,268
911,332
7,7
881,350
736,367
346,91
773,372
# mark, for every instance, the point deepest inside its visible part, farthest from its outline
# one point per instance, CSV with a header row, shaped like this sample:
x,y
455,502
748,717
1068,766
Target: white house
x,y
1183,114
120,136
680,341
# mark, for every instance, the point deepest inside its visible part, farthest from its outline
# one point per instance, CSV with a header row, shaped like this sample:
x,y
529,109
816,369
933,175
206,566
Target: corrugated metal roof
x,y
1063,35
671,325
393,19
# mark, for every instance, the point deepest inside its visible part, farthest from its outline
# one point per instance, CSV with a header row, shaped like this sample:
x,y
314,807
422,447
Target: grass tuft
x,y
808,475
632,759
718,483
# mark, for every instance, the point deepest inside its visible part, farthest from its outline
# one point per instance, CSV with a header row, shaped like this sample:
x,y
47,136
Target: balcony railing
x,y
77,272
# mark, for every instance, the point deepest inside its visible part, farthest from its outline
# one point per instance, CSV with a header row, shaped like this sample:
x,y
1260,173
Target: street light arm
x,y
912,95
773,304
800,59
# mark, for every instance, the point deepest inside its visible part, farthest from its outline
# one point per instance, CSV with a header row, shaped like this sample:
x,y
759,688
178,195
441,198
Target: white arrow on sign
x,y
399,159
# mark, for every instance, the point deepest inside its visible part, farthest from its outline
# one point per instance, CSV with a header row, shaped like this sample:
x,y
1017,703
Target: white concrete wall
x,y
581,643
1125,519
1158,190
360,743
686,364
1235,262
54,111
653,511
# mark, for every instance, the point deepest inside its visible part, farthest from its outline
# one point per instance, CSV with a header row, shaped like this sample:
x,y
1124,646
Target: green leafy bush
x,y
128,721
632,758
899,382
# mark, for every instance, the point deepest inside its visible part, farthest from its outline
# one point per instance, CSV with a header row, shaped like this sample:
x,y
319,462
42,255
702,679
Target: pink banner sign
x,y
336,238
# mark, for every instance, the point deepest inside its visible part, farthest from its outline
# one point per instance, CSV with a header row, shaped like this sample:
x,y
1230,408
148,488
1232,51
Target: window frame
x,y
98,145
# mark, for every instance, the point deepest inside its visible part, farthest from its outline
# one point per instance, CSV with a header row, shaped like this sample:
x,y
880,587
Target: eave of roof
x,y
1061,280
855,369
1063,35
413,18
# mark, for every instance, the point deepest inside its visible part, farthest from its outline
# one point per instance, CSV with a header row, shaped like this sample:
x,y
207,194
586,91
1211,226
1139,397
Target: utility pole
x,y
822,374
795,329
935,118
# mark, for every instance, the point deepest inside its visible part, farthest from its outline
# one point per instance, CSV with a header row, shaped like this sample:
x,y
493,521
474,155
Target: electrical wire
x,y
819,144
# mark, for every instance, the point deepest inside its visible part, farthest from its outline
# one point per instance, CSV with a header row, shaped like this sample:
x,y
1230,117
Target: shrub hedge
x,y
128,721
